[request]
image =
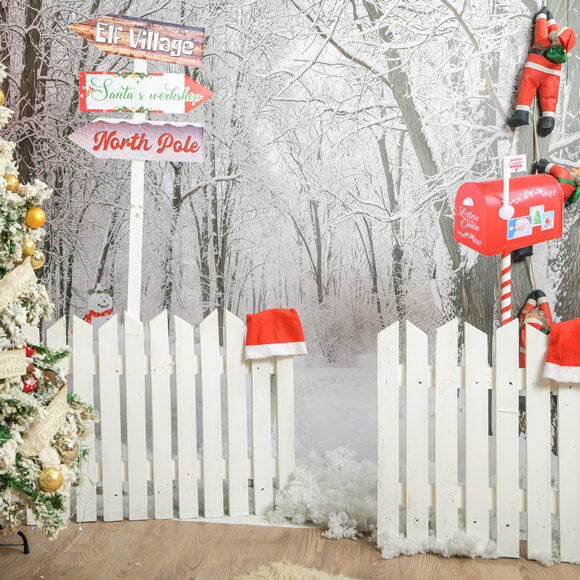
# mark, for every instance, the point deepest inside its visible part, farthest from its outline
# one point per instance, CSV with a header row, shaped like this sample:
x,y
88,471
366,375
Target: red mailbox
x,y
537,201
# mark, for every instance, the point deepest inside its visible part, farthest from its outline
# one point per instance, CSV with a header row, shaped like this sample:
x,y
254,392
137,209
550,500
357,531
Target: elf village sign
x,y
146,39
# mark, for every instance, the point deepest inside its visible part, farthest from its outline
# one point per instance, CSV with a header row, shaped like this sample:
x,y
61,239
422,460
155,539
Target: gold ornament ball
x,y
50,479
2,98
37,260
12,183
28,248
68,447
35,217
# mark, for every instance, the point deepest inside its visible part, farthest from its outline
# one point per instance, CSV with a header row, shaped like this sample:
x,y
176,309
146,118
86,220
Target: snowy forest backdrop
x,y
338,135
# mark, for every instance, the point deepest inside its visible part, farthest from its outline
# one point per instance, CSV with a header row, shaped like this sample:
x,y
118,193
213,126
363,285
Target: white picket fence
x,y
149,448
484,508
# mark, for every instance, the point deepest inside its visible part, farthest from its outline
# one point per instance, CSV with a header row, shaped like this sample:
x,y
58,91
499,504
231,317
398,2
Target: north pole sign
x,y
135,140
146,39
111,92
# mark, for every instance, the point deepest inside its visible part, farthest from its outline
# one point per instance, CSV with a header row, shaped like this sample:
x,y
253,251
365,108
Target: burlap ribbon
x,y
46,426
16,282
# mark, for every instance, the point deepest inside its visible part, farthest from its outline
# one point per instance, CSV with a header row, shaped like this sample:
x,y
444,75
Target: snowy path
x,y
336,407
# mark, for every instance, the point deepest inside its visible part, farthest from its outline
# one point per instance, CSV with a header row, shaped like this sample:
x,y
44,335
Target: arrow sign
x,y
152,141
146,39
110,92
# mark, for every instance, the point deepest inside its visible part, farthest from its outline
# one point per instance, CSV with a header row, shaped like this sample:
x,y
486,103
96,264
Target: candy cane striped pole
x,y
506,288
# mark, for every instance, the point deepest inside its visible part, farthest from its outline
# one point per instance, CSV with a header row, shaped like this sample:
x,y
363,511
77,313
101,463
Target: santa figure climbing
x,y
568,180
551,47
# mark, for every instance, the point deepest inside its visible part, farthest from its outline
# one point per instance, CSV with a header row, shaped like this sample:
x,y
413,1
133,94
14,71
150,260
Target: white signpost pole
x,y
136,219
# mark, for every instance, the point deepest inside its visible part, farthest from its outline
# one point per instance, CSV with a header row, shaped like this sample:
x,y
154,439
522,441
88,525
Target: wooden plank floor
x,y
204,551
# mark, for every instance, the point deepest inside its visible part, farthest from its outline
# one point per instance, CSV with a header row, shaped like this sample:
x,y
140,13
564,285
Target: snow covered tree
x,y
41,426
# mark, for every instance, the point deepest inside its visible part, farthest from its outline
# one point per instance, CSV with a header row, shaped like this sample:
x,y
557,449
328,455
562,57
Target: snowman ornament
x,y
100,306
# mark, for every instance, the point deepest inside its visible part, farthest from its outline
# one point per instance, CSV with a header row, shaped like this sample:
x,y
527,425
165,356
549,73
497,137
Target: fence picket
x,y
476,442
211,369
262,435
83,370
417,481
186,367
109,372
285,436
388,433
236,372
507,447
135,371
161,416
55,338
538,443
569,470
446,432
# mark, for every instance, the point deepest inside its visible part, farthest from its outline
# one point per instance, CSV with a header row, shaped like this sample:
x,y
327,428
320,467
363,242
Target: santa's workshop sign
x,y
111,92
151,141
146,39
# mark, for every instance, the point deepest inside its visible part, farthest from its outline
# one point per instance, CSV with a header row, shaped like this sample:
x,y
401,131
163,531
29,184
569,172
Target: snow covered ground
x,y
336,407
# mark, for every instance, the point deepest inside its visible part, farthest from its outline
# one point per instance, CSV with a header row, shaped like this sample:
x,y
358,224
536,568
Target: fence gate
x,y
450,475
187,428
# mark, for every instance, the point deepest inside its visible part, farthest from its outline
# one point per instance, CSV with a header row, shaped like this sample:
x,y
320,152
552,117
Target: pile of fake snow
x,y
335,491
339,493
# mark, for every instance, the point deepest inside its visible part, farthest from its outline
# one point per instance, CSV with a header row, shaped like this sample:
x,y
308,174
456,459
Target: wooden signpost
x,y
110,92
147,141
144,40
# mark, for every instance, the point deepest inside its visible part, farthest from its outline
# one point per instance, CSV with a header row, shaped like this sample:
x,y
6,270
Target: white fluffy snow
x,y
335,491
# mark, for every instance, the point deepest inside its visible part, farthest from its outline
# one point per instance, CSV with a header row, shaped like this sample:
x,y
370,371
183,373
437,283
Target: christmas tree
x,y
42,428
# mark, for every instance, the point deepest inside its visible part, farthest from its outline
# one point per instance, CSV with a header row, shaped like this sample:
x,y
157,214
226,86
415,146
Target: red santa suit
x,y
566,181
542,75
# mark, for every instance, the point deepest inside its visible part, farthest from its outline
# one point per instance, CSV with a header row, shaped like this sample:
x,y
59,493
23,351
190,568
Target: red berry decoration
x,y
30,383
29,351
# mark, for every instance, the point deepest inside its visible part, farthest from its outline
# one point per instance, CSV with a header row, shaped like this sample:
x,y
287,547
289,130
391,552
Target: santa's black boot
x,y
546,126
519,118
522,253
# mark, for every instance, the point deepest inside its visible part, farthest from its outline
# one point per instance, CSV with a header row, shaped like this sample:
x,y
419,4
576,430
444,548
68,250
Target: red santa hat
x,y
274,332
568,39
563,357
